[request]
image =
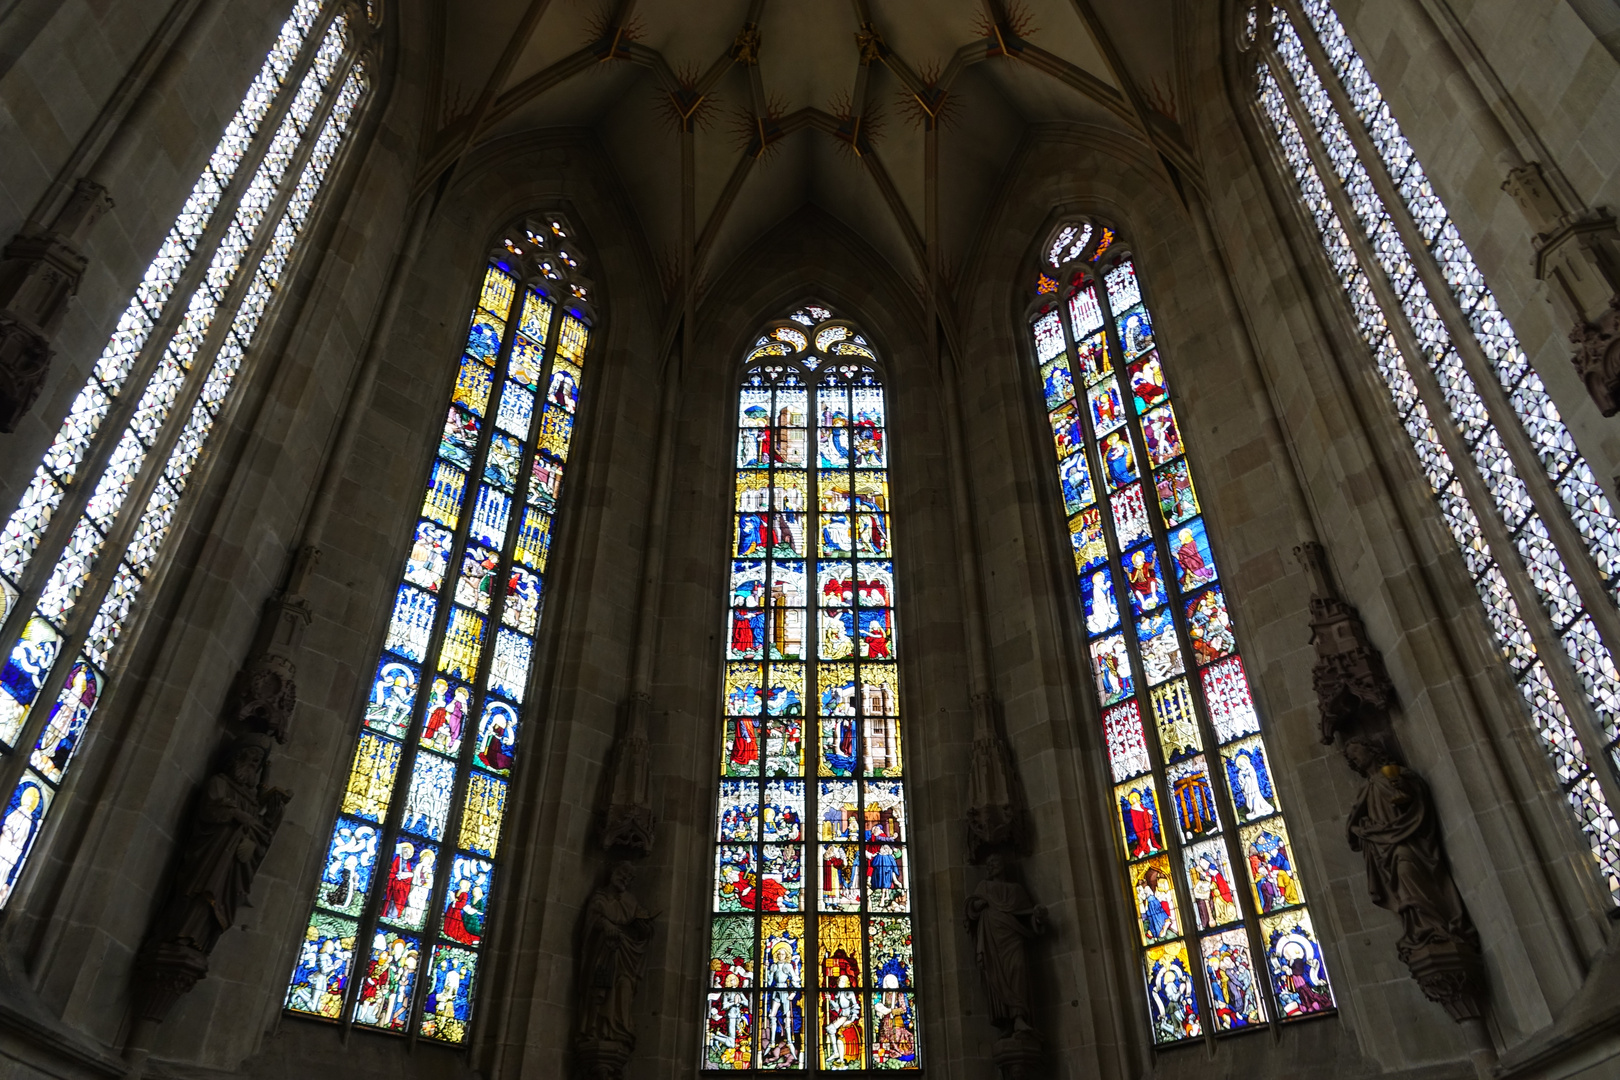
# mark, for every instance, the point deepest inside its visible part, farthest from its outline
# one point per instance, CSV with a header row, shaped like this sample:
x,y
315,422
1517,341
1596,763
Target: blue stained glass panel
x,y
1097,596
1119,460
466,900
1075,476
497,736
351,861
427,801
393,696
448,1004
459,441
1058,382
1195,563
484,338
1136,334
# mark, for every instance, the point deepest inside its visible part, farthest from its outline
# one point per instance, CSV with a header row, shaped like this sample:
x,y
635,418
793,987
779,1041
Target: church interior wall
x,y
1291,443
1525,879
162,152
1479,88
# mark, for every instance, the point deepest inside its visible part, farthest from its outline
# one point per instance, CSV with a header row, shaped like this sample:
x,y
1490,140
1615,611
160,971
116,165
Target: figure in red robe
x,y
1141,826
877,642
742,633
1144,578
400,873
745,746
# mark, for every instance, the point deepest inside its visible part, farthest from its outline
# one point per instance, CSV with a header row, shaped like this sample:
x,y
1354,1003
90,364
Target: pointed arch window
x,y
811,960
1537,533
92,523
414,859
1193,796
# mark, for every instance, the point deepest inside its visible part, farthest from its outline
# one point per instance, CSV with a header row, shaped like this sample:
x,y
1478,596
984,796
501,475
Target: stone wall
x,y
1291,440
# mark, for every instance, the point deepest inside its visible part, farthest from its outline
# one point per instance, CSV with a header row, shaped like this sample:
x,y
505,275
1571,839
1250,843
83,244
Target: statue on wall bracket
x,y
614,932
1000,915
1393,823
236,812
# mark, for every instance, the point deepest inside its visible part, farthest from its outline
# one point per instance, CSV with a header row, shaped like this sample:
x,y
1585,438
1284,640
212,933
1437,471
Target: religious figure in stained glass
x,y
415,894
810,637
1162,643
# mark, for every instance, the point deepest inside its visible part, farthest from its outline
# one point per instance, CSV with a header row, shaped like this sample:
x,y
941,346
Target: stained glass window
x,y
1193,797
811,960
1437,336
92,523
395,937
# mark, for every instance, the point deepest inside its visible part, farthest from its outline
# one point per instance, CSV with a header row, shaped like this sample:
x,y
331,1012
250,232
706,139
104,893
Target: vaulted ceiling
x,y
788,102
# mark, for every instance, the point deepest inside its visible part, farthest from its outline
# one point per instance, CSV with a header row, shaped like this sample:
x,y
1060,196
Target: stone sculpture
x,y
612,959
1394,825
1003,919
1597,357
236,816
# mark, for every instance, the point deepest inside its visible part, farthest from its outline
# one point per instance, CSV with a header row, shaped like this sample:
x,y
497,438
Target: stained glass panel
x,y
1163,651
812,639
443,720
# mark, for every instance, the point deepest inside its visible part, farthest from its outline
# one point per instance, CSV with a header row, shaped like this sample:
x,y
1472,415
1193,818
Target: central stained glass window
x,y
819,977
1196,800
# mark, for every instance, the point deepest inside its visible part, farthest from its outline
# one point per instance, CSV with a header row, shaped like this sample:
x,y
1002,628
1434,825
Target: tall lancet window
x,y
91,527
1193,799
1535,530
414,859
810,962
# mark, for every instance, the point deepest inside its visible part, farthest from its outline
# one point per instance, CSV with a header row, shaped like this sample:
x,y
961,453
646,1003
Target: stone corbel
x,y
1577,253
40,272
628,822
1353,692
1394,823
995,816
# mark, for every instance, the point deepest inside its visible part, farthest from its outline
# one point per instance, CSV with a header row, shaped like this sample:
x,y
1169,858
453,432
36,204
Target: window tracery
x,y
816,976
1196,798
1537,533
91,525
414,859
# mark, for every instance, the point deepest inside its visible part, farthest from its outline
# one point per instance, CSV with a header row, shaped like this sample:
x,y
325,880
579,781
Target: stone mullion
x,y
75,626
857,664
410,744
1596,597
121,409
809,741
1144,696
757,914
1548,647
433,926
